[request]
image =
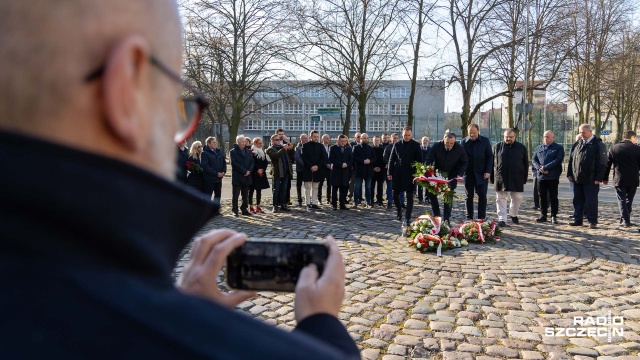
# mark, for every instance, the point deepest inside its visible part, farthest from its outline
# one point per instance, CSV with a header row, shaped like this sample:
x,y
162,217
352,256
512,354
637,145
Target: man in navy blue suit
x,y
476,178
547,161
214,166
86,257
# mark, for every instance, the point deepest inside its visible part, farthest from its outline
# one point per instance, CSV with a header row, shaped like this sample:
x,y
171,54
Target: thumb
x,y
308,277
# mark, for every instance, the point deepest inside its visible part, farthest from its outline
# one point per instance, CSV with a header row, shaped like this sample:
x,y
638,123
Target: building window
x,y
252,125
273,108
380,93
269,94
293,126
377,109
293,108
397,125
315,92
400,93
272,124
399,109
333,125
354,126
376,125
313,108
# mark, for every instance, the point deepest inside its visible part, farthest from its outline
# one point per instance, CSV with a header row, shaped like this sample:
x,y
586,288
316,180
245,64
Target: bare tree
x,y
247,40
350,44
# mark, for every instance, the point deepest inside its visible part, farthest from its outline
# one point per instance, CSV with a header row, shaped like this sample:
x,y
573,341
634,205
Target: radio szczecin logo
x,y
591,326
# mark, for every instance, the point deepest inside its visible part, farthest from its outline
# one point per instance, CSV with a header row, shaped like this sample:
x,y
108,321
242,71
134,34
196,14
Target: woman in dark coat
x,y
259,175
194,167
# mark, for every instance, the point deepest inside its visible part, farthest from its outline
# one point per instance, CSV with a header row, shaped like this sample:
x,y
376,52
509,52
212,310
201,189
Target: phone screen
x,y
273,264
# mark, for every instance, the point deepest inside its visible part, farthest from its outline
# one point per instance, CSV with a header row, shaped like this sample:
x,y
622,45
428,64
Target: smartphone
x,y
273,264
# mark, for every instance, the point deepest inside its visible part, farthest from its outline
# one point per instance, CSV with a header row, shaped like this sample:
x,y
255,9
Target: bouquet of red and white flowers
x,y
479,231
434,181
429,233
193,167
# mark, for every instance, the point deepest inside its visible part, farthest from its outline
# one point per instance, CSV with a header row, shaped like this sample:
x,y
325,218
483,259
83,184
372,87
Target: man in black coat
x,y
87,257
363,156
214,166
313,157
547,164
586,170
379,173
181,162
625,159
476,178
388,148
242,163
341,160
281,172
400,170
450,158
326,144
422,192
510,172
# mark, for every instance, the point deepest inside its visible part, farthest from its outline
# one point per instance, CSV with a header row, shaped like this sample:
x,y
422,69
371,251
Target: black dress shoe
x,y
399,215
235,213
554,220
343,207
514,219
315,207
334,208
575,223
275,210
403,206
541,219
246,213
285,208
502,224
593,226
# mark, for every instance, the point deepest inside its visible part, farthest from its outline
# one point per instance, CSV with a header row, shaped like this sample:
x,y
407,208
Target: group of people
x,y
345,167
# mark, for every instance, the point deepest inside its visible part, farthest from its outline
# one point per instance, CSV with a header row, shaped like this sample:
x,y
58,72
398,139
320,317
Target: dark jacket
x,y
625,159
258,181
362,152
241,162
551,158
313,154
298,158
195,179
337,157
587,162
181,164
452,162
386,155
379,151
212,162
89,275
425,151
511,167
280,164
403,156
480,156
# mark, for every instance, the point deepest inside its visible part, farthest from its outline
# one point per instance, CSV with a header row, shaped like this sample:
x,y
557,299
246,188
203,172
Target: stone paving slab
x,y
491,301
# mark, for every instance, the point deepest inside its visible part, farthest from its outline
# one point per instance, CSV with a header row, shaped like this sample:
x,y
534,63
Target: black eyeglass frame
x,y
198,97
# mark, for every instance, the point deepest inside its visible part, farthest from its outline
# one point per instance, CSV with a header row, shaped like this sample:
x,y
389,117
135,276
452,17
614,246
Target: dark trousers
x,y
258,196
625,200
409,198
214,189
376,186
435,206
585,201
299,186
548,192
343,195
280,191
288,191
471,188
352,182
240,190
537,193
328,189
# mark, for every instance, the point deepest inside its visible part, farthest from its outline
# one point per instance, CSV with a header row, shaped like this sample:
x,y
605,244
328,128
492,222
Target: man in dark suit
x,y
422,192
363,156
379,173
400,170
450,158
547,163
340,159
313,158
625,159
586,169
242,164
509,174
181,165
476,178
214,166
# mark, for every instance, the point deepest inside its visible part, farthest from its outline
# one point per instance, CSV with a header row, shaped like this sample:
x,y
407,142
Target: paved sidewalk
x,y
478,302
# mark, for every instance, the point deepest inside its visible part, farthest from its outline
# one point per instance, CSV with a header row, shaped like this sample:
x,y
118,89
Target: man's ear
x,y
124,83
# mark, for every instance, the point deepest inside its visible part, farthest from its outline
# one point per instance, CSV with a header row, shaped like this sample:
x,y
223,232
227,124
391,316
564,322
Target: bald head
x,y
49,47
548,137
128,111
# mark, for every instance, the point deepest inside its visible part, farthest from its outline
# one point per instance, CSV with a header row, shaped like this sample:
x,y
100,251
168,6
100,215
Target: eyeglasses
x,y
190,105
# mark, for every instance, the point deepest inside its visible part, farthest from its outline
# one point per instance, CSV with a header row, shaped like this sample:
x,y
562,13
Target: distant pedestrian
x,y
281,172
313,157
341,159
379,172
624,157
586,170
214,167
326,173
259,180
300,166
241,167
364,157
400,170
476,178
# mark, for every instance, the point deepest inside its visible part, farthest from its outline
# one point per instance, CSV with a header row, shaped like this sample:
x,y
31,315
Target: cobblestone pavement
x,y
478,302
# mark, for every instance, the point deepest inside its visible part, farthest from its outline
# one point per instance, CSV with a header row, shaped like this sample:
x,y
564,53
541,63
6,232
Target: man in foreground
x,y
86,257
